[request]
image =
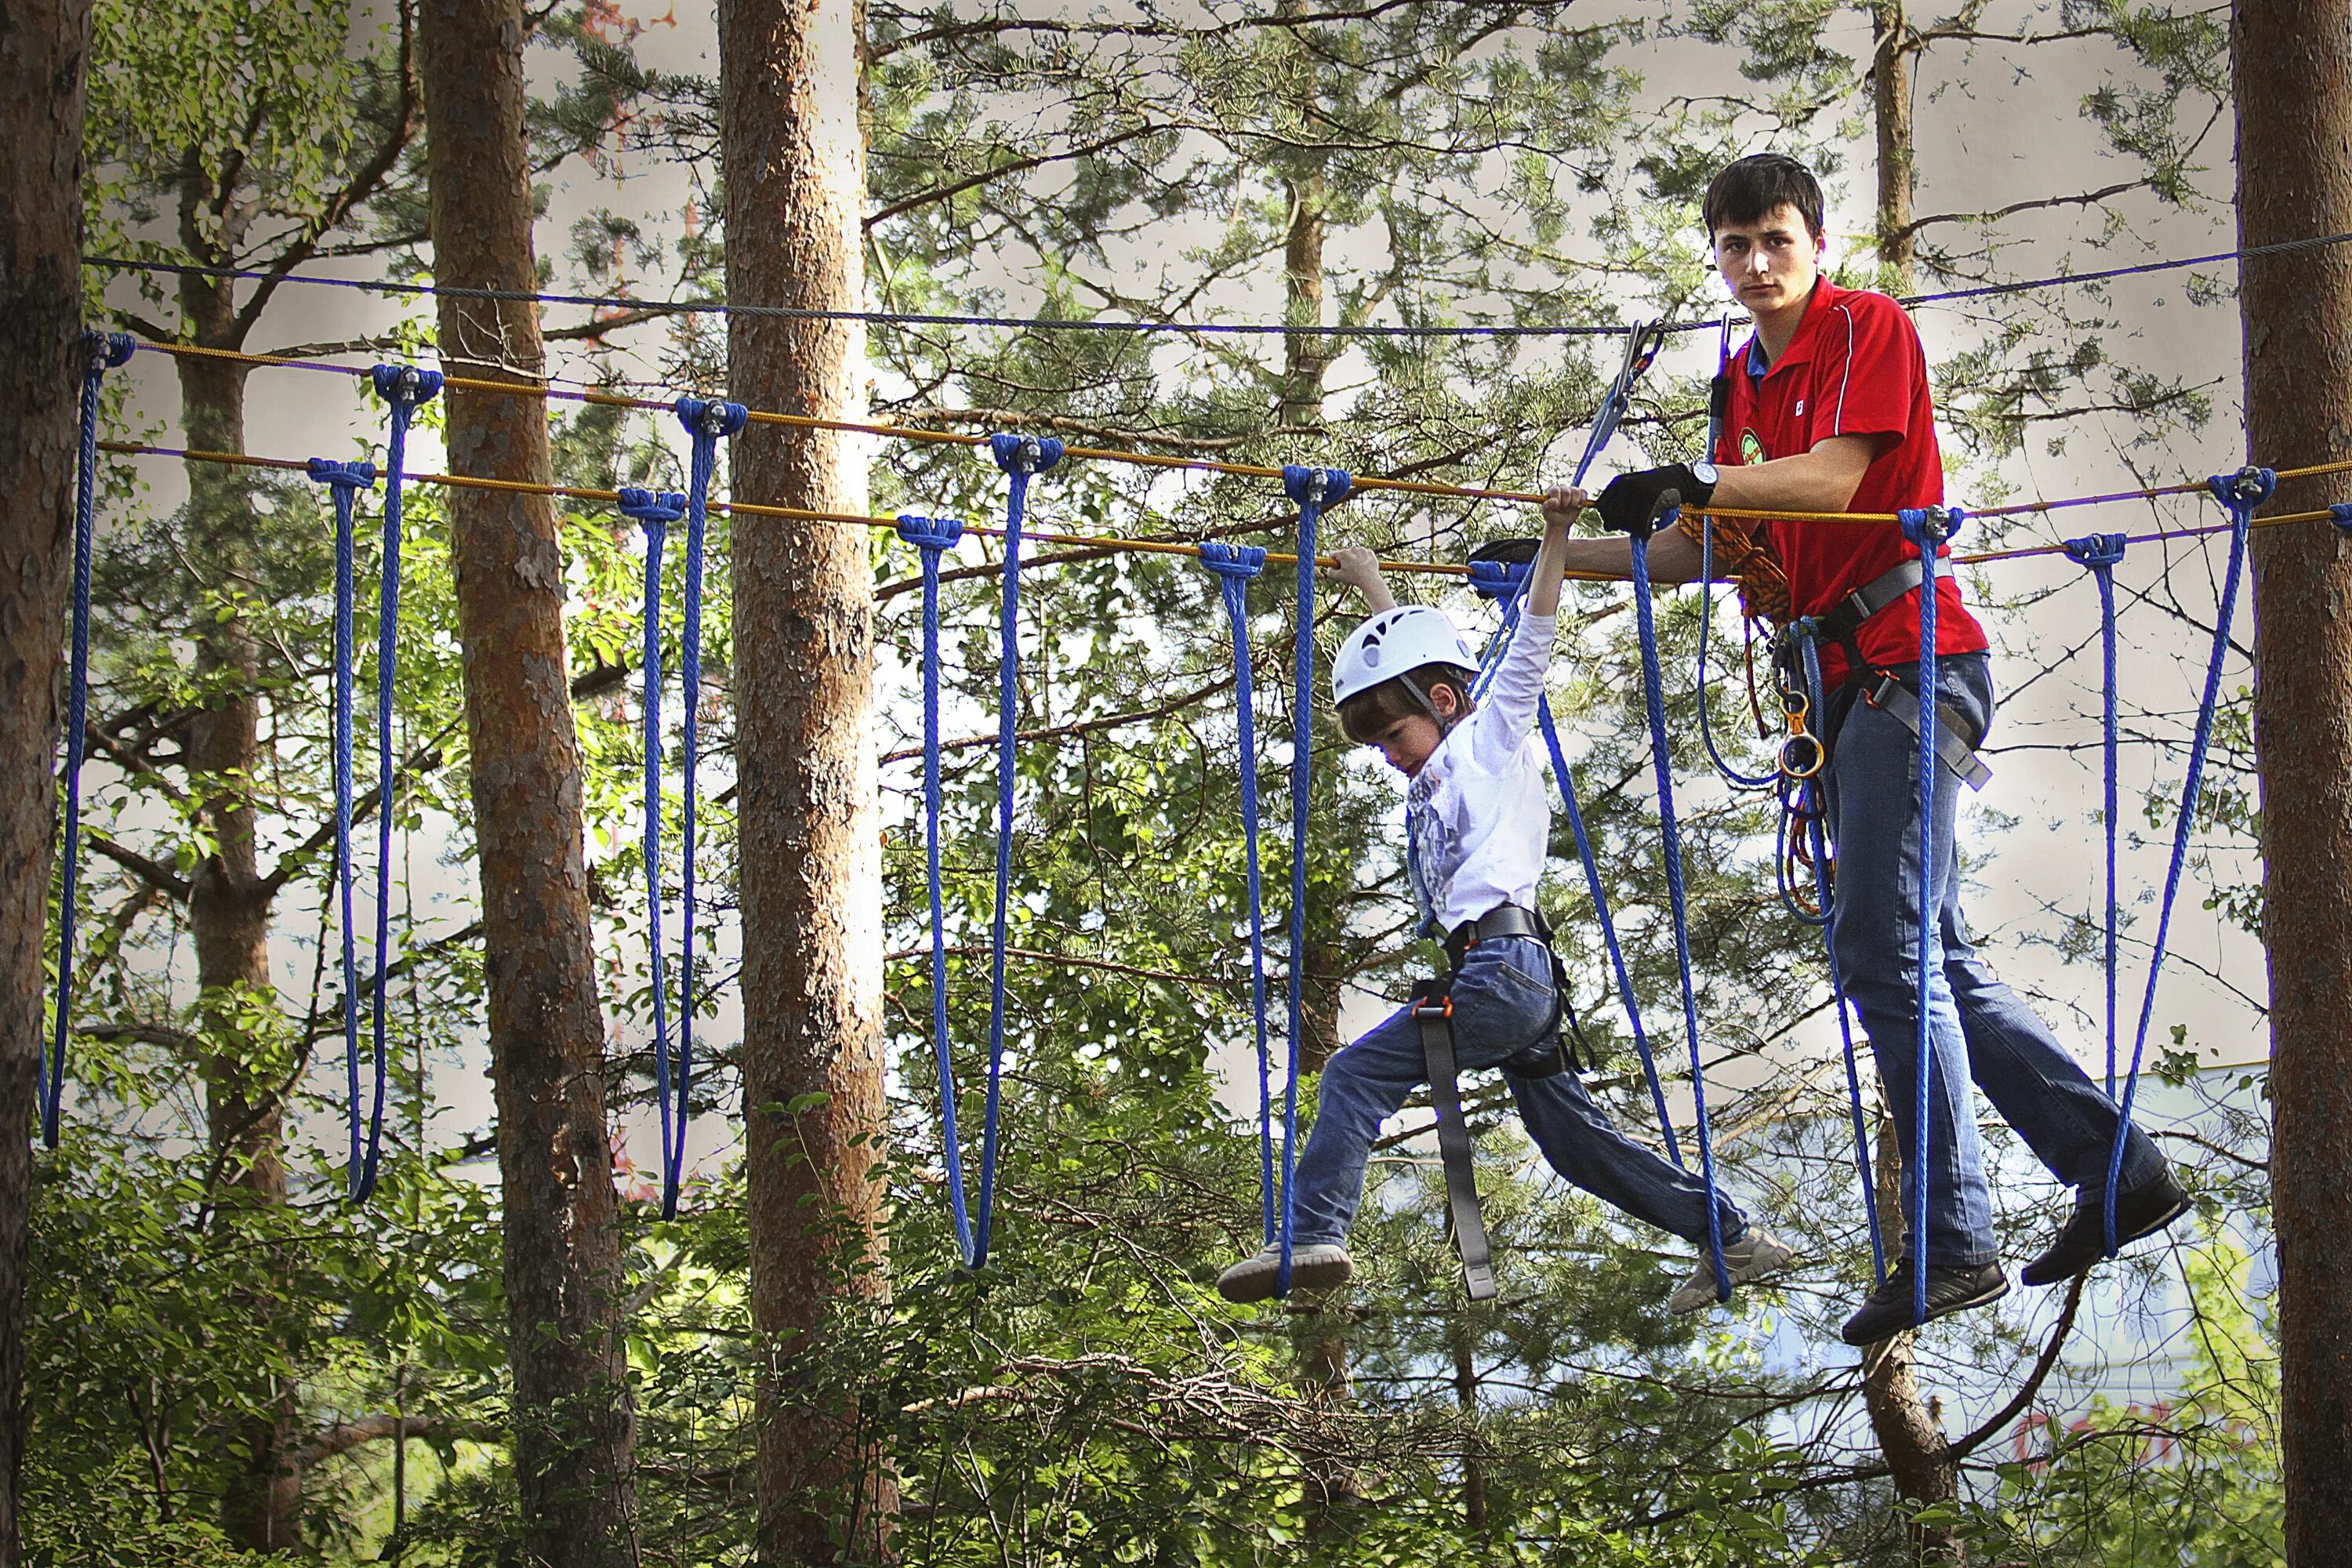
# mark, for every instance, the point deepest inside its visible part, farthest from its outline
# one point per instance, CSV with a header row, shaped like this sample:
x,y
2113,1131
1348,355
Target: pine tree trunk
x,y
44,80
2293,68
573,1414
810,857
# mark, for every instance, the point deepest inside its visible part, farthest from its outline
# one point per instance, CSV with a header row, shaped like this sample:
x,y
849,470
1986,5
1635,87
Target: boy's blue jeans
x,y
1982,1030
1502,1004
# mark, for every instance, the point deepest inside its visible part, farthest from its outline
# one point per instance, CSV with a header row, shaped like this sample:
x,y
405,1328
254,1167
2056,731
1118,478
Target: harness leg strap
x,y
1434,1010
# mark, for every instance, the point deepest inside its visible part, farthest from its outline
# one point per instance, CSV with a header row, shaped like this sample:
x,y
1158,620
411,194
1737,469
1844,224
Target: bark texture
x,y
810,878
2293,66
44,80
574,1419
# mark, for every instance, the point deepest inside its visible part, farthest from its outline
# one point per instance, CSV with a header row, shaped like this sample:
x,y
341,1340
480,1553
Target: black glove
x,y
1630,504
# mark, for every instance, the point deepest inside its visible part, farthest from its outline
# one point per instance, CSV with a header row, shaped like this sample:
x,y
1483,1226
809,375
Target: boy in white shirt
x,y
1477,821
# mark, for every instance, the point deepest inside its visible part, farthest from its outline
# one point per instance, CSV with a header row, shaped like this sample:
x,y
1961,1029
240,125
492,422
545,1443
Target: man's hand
x,y
1359,569
1630,504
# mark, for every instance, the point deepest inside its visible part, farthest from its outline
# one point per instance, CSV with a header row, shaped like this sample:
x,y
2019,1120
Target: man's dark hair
x,y
1363,716
1745,191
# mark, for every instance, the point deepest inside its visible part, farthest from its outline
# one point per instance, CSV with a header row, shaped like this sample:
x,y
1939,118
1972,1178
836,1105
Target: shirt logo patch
x,y
1751,451
1800,408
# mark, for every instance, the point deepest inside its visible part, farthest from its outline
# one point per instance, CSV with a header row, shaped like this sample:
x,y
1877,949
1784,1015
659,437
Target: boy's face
x,y
1409,743
1772,264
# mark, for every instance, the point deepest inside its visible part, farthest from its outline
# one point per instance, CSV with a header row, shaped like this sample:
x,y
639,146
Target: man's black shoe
x,y
2142,1211
1952,1288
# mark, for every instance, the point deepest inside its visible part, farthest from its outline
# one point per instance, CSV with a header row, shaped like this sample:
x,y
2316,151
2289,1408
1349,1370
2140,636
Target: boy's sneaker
x,y
1952,1288
1752,1257
1320,1265
2142,1211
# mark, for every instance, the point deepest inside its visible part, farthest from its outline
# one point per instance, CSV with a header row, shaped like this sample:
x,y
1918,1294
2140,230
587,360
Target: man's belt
x,y
1843,624
1432,1008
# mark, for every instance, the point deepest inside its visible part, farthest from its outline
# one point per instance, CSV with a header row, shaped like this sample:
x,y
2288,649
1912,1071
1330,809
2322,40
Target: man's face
x,y
1769,265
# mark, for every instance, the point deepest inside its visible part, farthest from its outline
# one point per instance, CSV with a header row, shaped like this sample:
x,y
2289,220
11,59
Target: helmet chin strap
x,y
1445,723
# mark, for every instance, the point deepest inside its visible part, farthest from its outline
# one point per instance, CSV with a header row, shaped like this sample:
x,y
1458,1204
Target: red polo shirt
x,y
1854,368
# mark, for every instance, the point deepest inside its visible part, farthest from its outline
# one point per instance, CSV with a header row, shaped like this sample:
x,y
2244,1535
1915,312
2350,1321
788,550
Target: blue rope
x,y
705,422
1670,835
1021,456
1236,567
1927,527
2098,553
655,511
1731,775
405,388
345,480
932,537
1824,898
2241,492
1312,490
102,353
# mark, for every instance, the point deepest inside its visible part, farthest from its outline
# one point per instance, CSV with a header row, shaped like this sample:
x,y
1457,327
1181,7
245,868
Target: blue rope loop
x,y
2240,494
345,481
1496,579
1927,527
1730,774
653,511
709,417
2097,551
1671,846
1312,491
2340,514
1021,457
1236,567
933,537
102,352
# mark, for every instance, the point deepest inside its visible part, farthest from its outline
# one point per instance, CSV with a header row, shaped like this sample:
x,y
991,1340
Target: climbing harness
x,y
1022,458
1236,567
102,353
932,537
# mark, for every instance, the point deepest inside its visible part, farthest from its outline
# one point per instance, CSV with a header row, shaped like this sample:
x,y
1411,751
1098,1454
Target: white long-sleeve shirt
x,y
1477,816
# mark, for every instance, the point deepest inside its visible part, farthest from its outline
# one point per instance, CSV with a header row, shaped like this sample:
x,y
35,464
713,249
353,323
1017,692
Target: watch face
x,y
1705,473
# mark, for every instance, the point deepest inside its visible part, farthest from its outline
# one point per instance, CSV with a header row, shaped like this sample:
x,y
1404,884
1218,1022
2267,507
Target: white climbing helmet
x,y
1386,645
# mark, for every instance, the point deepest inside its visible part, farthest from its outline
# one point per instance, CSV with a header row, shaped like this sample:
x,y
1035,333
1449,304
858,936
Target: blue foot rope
x,y
1236,567
706,422
2241,493
2098,553
932,537
1670,836
1927,527
102,353
655,511
1021,457
1313,490
405,388
344,481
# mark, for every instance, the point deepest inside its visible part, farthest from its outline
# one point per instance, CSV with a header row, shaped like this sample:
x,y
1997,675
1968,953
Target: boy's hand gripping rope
x,y
102,353
653,511
1670,838
706,422
344,481
2241,493
1508,581
1928,527
932,537
1313,489
1236,567
1021,457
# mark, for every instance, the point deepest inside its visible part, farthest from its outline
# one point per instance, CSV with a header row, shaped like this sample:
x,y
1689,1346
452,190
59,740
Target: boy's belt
x,y
1843,624
1502,921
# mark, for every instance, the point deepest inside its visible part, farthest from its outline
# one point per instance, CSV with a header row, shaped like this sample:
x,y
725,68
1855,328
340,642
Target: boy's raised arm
x,y
1359,569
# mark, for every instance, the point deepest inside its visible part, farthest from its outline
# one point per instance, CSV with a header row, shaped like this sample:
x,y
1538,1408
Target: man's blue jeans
x,y
1979,1025
1502,1004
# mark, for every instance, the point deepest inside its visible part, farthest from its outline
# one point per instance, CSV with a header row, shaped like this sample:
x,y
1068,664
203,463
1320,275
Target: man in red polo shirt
x,y
1827,410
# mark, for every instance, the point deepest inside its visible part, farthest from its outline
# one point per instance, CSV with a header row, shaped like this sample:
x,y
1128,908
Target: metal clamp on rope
x,y
1432,1009
1802,754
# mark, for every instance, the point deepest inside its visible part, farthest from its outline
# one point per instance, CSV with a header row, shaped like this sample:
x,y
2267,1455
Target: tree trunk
x,y
1890,103
811,877
44,81
573,1414
2292,71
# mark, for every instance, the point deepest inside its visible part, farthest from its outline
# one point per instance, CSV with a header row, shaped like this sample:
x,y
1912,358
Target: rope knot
x,y
1238,562
107,349
2099,550
345,475
2248,487
1025,454
651,507
1927,525
2340,514
404,386
1323,487
930,533
711,416
1494,579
